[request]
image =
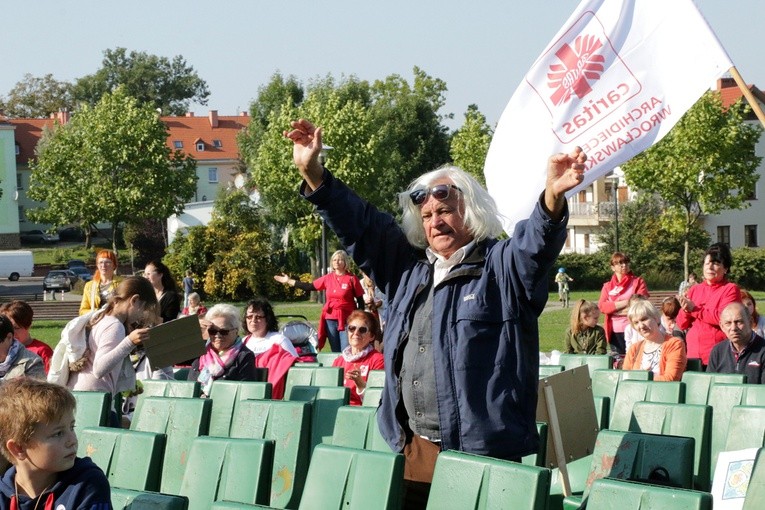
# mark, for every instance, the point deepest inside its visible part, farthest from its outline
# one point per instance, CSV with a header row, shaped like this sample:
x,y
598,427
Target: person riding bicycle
x,y
562,280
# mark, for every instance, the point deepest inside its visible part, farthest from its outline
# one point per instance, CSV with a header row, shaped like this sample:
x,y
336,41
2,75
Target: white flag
x,y
614,80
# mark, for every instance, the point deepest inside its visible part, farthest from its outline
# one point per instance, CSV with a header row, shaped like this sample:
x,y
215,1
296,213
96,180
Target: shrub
x,y
749,268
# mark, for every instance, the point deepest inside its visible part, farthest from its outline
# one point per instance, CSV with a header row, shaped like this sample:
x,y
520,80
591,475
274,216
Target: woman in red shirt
x,y
343,295
360,356
702,305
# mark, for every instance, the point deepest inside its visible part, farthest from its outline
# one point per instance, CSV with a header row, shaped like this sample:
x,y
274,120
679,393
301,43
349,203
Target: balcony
x,y
590,213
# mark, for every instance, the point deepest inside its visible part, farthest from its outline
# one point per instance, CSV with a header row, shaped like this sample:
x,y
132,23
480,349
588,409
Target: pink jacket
x,y
630,285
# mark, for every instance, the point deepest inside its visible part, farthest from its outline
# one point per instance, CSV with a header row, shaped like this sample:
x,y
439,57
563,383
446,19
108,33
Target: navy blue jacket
x,y
485,333
81,487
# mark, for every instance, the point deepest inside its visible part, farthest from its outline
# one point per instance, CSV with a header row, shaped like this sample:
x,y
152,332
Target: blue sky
x,y
481,49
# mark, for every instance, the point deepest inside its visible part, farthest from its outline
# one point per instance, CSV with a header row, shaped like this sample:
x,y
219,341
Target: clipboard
x,y
174,341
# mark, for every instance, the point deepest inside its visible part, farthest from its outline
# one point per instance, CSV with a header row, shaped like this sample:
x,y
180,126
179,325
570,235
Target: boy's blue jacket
x,y
82,487
485,332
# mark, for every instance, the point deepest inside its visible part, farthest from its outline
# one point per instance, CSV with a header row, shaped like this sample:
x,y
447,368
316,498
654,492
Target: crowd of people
x,y
460,347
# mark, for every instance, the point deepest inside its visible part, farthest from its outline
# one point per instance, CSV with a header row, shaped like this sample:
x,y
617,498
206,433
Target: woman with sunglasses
x,y
262,328
344,295
103,284
615,301
225,356
360,356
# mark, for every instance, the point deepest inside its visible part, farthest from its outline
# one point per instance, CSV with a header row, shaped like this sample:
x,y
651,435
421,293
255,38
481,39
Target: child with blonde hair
x,y
585,336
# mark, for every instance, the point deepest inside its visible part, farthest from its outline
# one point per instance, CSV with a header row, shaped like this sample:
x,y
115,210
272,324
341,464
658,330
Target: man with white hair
x,y
461,341
744,352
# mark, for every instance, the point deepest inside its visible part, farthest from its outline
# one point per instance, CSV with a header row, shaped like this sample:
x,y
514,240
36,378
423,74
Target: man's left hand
x,y
564,172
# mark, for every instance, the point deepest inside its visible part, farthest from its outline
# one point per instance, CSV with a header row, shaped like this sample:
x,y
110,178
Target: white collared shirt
x,y
442,265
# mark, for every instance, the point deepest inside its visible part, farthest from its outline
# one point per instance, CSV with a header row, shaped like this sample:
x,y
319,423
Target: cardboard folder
x,y
175,341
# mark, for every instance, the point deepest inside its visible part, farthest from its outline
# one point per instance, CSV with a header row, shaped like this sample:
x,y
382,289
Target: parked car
x,y
59,279
38,236
82,272
71,234
75,263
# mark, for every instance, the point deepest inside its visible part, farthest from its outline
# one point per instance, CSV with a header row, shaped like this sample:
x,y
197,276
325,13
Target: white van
x,y
14,264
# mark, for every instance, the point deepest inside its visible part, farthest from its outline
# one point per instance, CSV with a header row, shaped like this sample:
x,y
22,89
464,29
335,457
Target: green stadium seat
x,y
538,459
371,397
168,388
746,428
630,391
688,420
608,494
93,408
548,370
126,499
755,493
313,376
723,397
341,478
130,459
697,384
181,374
327,358
466,481
226,395
237,470
694,365
604,384
376,378
593,361
288,424
182,419
308,364
326,400
356,427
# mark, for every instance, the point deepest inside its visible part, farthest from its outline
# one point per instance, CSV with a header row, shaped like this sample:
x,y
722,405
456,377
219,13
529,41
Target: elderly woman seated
x,y
658,351
225,356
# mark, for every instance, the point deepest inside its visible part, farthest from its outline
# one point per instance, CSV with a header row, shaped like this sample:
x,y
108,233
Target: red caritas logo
x,y
578,66
582,80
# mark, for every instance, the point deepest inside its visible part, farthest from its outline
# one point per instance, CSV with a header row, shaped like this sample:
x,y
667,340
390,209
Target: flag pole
x,y
748,94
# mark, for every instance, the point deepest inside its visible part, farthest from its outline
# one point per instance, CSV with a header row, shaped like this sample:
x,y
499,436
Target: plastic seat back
x,y
165,388
288,424
607,494
182,419
376,379
127,499
313,376
548,370
371,397
630,391
237,470
129,458
593,361
723,397
467,481
755,493
340,478
697,384
356,427
226,395
746,428
688,420
694,365
326,400
632,455
538,459
327,358
93,409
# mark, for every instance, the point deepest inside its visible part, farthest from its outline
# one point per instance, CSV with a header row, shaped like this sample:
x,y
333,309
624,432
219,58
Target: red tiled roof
x,y
188,130
730,93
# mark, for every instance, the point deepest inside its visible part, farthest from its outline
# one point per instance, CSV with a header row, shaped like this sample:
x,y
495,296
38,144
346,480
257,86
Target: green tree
x,y
110,163
168,85
471,143
37,97
705,165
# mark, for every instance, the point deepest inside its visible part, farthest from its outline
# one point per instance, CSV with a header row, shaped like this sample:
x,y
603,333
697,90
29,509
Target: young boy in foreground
x,y
37,437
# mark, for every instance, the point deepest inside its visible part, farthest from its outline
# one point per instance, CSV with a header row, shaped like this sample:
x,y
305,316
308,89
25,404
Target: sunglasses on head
x,y
361,329
439,192
216,331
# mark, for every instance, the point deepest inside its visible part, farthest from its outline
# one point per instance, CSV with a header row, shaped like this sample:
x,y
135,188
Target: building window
x,y
750,236
22,214
178,144
18,149
200,146
217,144
19,181
212,175
723,234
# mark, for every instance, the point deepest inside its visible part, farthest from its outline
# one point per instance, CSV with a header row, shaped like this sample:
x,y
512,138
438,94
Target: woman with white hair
x,y
225,356
658,352
344,295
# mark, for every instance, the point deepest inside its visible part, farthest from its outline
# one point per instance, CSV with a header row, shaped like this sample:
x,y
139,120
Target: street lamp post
x,y
615,176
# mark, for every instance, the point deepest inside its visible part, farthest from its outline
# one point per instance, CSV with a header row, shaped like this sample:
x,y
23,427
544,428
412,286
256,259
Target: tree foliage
x,y
232,255
37,97
470,143
110,163
168,85
706,164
